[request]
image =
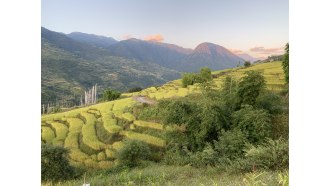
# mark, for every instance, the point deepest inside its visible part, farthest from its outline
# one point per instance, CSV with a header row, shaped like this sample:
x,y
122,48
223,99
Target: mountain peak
x,y
209,48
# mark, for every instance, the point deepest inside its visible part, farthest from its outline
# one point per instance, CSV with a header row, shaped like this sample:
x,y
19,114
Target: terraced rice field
x,y
94,133
78,129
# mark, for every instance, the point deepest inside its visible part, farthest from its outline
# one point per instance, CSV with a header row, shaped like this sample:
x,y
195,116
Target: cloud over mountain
x,y
263,50
235,51
156,38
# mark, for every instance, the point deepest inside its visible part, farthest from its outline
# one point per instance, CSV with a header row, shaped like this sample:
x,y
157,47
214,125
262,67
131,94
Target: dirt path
x,y
143,99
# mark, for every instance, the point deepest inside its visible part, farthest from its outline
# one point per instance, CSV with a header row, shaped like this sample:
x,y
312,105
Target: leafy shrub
x,y
229,94
132,152
135,89
270,102
205,75
54,164
230,144
176,155
247,63
207,156
188,79
250,87
109,95
285,63
202,77
176,111
280,126
176,148
254,123
272,154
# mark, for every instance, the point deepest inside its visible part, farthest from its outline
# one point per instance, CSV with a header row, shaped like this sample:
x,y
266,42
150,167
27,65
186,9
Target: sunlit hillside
x,y
94,133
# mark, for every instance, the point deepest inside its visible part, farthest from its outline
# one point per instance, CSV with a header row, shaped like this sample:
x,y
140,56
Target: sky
x,y
256,27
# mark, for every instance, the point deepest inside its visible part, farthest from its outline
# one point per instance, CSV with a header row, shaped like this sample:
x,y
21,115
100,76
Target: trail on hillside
x,y
143,99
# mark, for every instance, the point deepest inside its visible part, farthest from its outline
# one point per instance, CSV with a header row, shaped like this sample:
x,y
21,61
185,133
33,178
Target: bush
x,y
132,152
272,154
270,102
229,93
55,164
176,111
202,77
250,87
254,123
205,75
231,144
203,119
247,63
285,63
188,79
109,95
135,89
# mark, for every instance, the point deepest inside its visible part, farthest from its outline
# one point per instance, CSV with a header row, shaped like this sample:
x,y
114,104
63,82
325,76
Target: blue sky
x,y
257,27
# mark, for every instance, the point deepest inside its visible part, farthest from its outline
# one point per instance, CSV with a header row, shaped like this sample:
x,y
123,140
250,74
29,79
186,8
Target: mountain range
x,y
72,63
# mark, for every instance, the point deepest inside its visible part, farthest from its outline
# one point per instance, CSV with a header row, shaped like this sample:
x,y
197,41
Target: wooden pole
x,y
95,93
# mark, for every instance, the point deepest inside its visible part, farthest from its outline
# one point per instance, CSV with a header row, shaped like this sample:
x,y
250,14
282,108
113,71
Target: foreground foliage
x,y
155,174
54,164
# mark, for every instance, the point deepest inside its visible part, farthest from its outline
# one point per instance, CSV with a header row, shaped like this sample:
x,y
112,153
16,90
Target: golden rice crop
x,y
105,164
121,104
111,125
75,124
61,130
91,163
117,145
128,116
144,137
47,134
89,133
109,153
101,156
71,141
96,112
118,113
93,157
146,124
77,155
182,92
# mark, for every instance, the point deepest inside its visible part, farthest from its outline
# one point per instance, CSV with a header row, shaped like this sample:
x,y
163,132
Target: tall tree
x,y
285,63
250,87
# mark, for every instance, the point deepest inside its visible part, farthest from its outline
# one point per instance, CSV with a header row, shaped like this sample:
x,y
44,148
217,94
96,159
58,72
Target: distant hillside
x,y
74,62
211,55
99,41
166,55
247,57
175,57
271,58
69,67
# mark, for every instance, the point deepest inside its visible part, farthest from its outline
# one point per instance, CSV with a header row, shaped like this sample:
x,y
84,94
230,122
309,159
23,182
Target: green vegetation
x,y
132,152
109,95
191,78
135,89
68,68
54,164
247,63
250,87
285,63
158,174
238,125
